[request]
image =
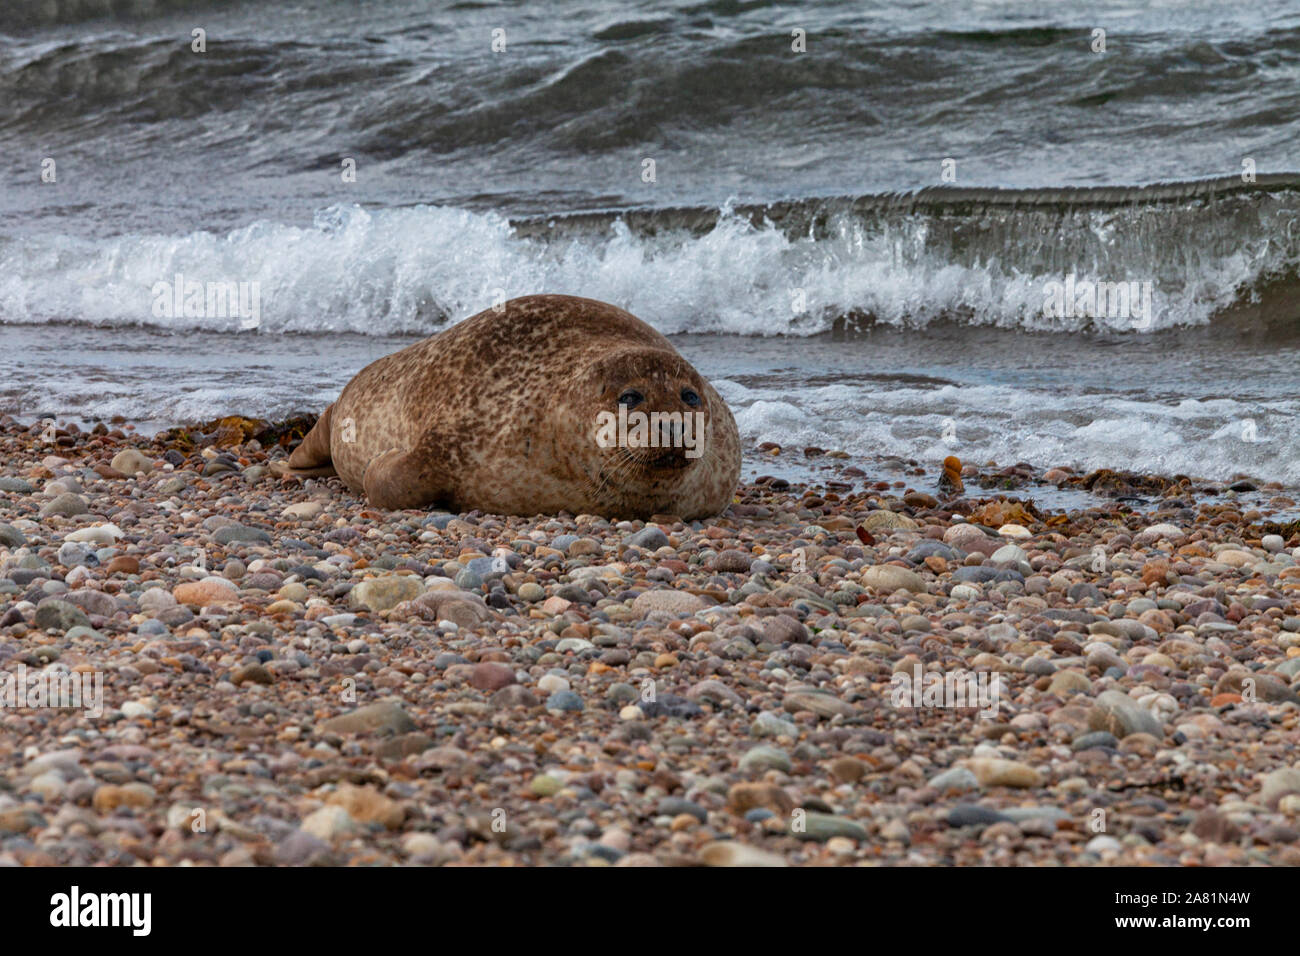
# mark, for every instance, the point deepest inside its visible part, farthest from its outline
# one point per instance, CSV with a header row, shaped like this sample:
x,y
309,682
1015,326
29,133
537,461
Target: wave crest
x,y
1210,250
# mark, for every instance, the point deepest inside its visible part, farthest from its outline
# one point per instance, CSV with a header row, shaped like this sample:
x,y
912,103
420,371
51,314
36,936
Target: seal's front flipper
x,y
282,470
313,456
403,479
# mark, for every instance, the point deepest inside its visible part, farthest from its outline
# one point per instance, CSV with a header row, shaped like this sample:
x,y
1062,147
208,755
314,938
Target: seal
x,y
547,403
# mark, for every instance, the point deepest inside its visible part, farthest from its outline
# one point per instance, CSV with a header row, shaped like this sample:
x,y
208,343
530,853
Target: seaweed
x,y
236,430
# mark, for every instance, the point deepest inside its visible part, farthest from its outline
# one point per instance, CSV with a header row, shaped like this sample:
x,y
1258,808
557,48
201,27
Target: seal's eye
x,y
690,398
631,398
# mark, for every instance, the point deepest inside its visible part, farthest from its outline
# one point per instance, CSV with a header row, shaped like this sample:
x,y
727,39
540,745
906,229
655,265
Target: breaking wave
x,y
1211,250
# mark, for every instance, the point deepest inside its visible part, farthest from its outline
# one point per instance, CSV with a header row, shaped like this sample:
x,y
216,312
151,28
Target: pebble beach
x,y
293,678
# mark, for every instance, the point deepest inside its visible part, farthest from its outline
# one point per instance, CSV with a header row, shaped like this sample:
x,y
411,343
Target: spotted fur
x,y
499,414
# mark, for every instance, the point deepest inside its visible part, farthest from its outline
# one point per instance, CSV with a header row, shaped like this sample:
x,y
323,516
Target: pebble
x,y
544,785
765,758
959,779
109,797
54,614
997,772
564,700
1099,738
1121,715
649,538
672,602
366,805
490,676
888,578
211,591
66,505
531,592
825,826
327,823
130,461
552,684
384,593
968,815
768,724
1279,783
383,716
731,853
239,534
823,705
885,520
394,679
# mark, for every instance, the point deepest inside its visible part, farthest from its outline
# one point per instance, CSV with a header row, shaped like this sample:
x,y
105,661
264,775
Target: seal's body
x,y
511,412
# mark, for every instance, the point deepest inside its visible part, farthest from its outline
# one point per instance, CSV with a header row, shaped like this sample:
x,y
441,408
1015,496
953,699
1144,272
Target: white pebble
x,y
552,683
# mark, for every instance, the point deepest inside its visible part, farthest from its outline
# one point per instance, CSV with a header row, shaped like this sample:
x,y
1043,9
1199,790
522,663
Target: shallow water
x,y
984,394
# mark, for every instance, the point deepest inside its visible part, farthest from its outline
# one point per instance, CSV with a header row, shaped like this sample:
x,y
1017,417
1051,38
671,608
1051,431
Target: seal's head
x,y
647,415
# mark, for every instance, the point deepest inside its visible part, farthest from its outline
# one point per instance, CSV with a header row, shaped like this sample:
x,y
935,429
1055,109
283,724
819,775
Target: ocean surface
x,y
890,243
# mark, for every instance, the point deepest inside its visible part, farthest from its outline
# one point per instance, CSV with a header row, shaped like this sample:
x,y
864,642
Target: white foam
x,y
414,269
1006,425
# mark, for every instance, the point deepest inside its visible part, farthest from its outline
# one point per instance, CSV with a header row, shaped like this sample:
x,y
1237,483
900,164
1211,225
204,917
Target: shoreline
x,y
781,467
331,683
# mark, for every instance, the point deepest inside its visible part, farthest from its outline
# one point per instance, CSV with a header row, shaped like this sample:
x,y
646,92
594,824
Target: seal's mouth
x,y
670,459
639,472
656,459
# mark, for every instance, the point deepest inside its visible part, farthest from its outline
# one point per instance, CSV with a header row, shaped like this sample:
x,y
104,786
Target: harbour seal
x,y
523,409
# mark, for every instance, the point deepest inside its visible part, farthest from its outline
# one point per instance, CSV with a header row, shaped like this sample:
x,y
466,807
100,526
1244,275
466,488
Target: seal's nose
x,y
670,434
